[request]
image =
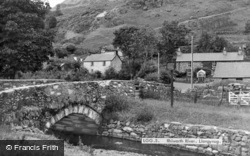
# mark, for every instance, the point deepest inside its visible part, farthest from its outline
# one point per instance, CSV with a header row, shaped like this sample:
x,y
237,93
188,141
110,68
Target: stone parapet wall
x,y
235,142
15,83
35,104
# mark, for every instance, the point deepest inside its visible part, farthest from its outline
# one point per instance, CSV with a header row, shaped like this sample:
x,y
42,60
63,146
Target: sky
x,y
54,2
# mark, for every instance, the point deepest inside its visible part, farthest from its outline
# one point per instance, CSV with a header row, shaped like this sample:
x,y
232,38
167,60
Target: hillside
x,y
90,23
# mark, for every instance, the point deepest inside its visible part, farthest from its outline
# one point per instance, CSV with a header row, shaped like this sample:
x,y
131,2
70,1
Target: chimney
x,y
224,51
240,51
179,52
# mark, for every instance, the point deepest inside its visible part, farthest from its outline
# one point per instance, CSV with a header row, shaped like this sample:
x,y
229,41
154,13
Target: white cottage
x,y
102,62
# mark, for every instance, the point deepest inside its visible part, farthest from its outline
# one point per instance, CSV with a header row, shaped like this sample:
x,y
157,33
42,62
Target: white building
x,y
102,62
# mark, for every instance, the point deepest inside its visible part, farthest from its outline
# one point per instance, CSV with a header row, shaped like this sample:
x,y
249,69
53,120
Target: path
x,y
209,16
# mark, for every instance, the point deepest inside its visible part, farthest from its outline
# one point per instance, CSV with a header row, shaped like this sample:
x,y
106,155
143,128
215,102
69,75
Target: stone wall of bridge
x,y
42,105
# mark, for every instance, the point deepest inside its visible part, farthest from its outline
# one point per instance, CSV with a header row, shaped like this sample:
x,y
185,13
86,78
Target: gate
x,y
239,97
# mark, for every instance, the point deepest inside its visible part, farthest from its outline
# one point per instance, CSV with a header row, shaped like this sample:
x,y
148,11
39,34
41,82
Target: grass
x,y
190,113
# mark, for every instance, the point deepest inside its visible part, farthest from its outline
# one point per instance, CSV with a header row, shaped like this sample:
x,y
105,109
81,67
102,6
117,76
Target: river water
x,y
109,143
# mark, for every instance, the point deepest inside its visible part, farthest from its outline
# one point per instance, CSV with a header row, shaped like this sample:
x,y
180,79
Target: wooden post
x,y
172,88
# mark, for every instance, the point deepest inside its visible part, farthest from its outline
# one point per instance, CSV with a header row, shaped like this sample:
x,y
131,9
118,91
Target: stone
x,y
55,87
166,125
209,150
200,133
133,134
215,152
117,131
244,138
105,133
128,123
238,150
111,126
192,147
244,149
238,138
127,129
18,128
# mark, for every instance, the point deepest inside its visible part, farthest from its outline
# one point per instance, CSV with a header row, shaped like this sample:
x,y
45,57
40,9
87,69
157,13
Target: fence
x,y
239,97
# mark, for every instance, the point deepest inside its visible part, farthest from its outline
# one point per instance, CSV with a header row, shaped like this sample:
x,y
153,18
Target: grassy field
x,y
190,113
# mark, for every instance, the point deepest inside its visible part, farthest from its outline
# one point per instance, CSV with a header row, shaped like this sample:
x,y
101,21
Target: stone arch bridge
x,y
43,105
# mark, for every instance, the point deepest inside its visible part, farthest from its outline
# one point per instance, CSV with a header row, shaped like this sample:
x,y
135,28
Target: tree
x,y
172,37
50,22
137,44
213,43
24,43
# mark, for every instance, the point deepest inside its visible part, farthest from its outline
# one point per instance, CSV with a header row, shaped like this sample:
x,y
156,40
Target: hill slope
x,y
91,23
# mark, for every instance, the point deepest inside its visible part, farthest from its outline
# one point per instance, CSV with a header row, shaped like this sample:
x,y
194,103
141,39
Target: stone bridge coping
x,y
101,83
16,80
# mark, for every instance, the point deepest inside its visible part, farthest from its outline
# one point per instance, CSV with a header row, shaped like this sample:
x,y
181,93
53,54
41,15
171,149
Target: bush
x,y
247,27
96,75
145,115
115,103
60,53
110,74
152,77
149,94
147,68
165,77
71,48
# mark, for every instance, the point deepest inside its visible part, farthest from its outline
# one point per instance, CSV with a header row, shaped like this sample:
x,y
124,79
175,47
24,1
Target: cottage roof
x,y
232,70
100,57
200,57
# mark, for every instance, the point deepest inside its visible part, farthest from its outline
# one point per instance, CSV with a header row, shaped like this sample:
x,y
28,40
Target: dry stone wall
x,y
235,142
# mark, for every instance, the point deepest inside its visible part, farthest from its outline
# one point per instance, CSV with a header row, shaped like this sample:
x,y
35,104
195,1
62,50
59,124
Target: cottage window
x,y
104,63
92,63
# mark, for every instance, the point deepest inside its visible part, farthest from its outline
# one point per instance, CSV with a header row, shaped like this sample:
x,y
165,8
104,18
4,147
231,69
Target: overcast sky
x,y
55,2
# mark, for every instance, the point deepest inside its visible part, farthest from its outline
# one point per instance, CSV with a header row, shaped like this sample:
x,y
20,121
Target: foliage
x,y
213,43
172,37
96,75
61,53
50,22
137,44
149,94
152,77
110,74
115,103
165,77
24,42
247,27
145,115
71,48
147,68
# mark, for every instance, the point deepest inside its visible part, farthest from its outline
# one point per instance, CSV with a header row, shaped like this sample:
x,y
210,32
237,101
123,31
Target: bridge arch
x,y
79,109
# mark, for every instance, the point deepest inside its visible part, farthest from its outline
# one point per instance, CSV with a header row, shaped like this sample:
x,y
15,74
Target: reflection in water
x,y
101,142
75,125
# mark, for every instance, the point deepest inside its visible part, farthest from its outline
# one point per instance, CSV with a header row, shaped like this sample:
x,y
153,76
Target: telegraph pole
x,y
158,66
192,57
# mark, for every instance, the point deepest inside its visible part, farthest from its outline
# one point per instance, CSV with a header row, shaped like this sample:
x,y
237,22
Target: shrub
x,y
110,73
145,115
247,27
60,53
115,103
152,77
71,48
149,94
165,77
147,68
